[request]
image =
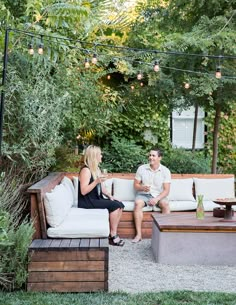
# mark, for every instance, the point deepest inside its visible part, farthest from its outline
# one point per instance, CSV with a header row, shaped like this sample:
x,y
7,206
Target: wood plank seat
x,y
68,265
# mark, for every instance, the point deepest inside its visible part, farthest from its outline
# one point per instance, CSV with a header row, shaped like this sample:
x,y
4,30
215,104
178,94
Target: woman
x,y
91,190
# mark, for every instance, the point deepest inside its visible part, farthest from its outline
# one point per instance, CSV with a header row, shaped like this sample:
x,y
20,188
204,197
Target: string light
x,y
40,48
86,63
31,49
108,76
132,87
218,72
141,84
156,66
139,75
186,85
94,59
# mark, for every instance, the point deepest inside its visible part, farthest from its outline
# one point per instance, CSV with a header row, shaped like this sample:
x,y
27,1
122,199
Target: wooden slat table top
x,y
69,244
188,222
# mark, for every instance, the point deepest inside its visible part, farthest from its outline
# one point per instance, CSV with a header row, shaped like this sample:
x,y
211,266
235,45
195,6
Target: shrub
x,y
66,160
123,155
15,233
181,161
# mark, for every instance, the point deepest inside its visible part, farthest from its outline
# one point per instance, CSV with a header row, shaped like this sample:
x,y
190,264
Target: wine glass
x,y
104,172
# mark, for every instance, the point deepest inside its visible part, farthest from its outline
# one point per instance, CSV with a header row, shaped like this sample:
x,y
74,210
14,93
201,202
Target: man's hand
x,y
153,201
146,188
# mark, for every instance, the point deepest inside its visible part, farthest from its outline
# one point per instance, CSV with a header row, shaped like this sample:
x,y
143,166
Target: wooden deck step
x,y
68,265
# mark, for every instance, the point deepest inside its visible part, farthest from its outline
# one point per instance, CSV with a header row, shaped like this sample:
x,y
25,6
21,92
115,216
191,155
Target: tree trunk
x,y
195,127
215,138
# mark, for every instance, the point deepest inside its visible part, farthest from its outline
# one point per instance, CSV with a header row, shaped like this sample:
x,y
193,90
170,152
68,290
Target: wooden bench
x,y
68,265
126,227
63,265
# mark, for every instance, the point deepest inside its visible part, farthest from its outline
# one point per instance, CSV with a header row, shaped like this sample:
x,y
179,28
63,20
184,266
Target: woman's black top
x,y
94,200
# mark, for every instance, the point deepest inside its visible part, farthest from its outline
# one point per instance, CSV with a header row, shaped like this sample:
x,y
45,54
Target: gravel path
x,y
132,269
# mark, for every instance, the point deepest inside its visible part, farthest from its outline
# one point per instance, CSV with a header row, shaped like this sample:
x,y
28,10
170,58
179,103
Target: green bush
x,y
15,233
66,160
123,155
180,161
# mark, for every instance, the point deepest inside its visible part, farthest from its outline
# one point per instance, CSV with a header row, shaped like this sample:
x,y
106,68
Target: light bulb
x,y
40,49
132,87
141,84
108,76
30,49
156,66
86,63
186,85
218,72
94,59
139,75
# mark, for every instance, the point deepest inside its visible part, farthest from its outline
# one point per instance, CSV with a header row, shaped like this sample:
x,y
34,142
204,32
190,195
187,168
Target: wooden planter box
x,y
68,265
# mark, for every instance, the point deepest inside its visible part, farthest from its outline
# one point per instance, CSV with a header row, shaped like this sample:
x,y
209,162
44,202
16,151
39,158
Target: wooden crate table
x,y
181,239
68,265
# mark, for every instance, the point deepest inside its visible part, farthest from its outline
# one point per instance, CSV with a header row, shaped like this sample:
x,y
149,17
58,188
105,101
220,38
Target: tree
x,y
200,28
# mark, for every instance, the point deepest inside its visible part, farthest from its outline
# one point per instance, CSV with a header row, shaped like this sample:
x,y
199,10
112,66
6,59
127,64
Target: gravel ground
x,y
132,269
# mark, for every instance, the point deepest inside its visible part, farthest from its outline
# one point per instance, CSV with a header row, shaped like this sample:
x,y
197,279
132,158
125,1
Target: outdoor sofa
x,y
70,251
56,215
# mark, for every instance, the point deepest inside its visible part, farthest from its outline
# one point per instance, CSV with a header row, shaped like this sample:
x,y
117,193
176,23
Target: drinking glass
x,y
104,172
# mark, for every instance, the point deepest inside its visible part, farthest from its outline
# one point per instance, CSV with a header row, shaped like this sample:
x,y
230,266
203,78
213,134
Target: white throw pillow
x,y
76,188
57,205
108,185
212,189
181,189
69,185
123,189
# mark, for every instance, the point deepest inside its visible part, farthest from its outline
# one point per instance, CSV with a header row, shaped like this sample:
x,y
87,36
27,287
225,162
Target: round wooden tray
x,y
225,201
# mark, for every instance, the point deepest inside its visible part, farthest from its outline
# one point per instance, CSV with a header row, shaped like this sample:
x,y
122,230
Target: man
x,y
152,183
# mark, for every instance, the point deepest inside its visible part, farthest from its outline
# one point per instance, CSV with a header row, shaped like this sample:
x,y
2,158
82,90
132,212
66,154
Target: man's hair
x,y
159,152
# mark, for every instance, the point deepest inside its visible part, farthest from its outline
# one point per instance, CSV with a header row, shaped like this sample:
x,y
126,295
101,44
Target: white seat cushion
x,y
82,223
57,205
212,189
181,189
178,205
129,206
123,189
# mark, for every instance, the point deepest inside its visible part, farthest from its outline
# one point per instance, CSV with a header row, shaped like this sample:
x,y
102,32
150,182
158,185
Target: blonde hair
x,y
91,160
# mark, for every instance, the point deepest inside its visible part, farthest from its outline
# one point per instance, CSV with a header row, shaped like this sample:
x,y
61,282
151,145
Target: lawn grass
x,y
153,298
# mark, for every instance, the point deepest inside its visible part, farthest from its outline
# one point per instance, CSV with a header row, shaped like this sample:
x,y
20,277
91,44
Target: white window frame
x,y
182,128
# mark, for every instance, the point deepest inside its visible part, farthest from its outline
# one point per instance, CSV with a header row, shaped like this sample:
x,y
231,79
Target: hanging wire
x,y
93,44
138,52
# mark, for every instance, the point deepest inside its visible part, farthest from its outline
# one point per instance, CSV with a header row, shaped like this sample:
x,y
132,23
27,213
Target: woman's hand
x,y
102,179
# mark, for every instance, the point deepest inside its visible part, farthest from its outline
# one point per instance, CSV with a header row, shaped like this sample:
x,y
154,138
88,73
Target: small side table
x,y
228,202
